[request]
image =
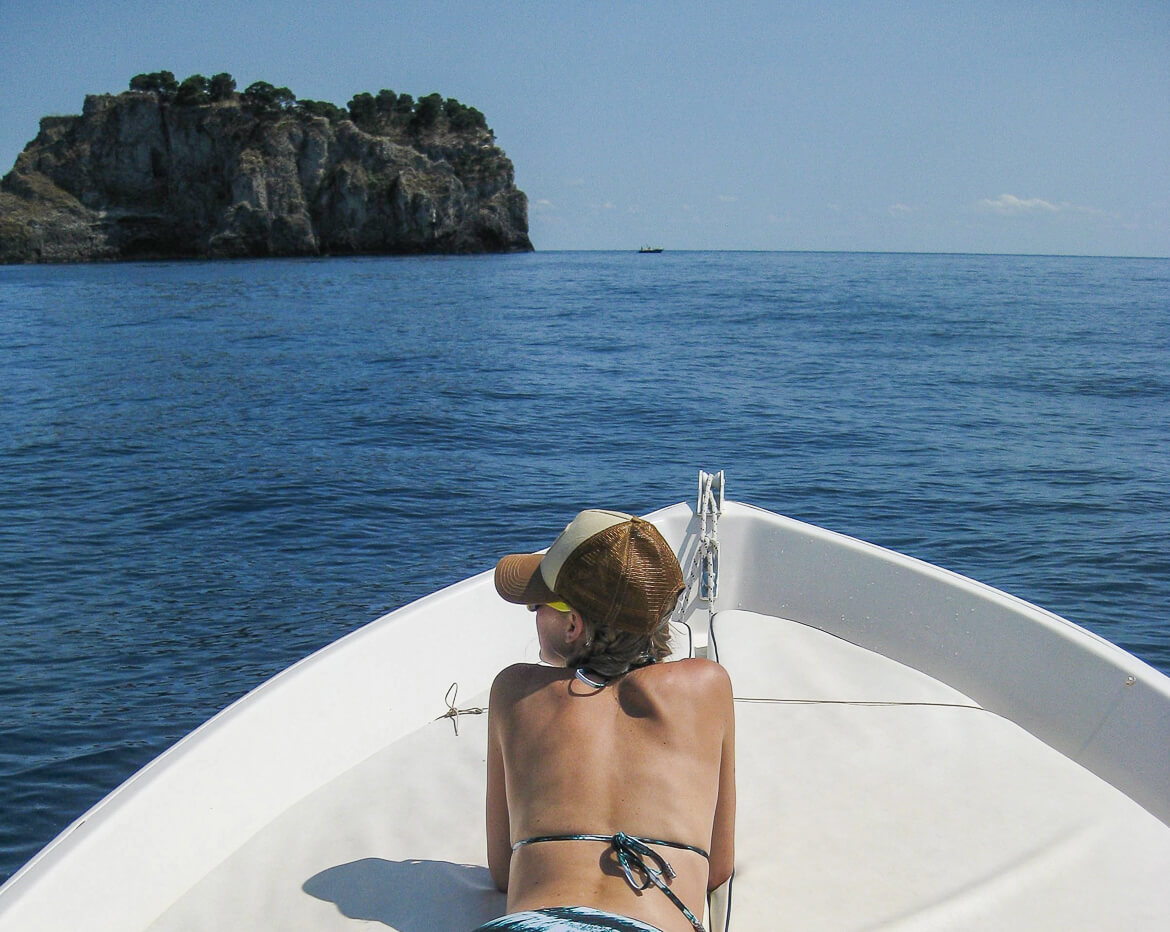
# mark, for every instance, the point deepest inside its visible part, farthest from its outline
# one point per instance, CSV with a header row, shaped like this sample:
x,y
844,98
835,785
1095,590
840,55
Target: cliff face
x,y
139,177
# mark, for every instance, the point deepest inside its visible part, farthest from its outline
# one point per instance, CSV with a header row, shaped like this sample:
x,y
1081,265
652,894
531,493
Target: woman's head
x,y
617,573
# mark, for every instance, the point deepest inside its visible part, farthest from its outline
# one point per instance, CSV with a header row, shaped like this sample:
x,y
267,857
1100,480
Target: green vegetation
x,y
222,87
427,111
387,110
193,91
463,118
162,83
363,109
387,101
265,100
322,108
381,113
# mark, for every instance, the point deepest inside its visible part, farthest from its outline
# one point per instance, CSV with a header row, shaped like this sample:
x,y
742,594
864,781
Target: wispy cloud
x,y
728,198
901,210
1008,205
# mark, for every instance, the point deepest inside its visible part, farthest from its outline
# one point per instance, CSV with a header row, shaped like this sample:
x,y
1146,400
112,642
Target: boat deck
x,y
870,796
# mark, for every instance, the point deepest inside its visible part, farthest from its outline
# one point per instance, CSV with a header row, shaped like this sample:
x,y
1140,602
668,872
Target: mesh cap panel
x,y
625,577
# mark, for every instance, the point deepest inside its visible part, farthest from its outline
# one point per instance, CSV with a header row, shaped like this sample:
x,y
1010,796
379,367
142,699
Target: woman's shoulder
x,y
696,689
695,676
697,670
521,678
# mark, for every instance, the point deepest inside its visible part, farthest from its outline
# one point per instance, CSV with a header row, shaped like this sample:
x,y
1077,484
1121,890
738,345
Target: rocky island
x,y
198,170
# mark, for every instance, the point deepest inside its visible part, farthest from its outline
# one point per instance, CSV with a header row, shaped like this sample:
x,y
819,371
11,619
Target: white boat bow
x,y
915,751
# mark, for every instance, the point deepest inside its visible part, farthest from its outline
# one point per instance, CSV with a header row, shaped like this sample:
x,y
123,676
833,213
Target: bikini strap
x,y
632,853
583,836
584,674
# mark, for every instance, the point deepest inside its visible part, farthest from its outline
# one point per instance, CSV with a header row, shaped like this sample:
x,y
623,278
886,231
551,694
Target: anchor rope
x,y
702,571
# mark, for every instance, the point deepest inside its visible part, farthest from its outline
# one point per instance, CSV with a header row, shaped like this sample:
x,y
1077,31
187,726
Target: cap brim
x,y
518,579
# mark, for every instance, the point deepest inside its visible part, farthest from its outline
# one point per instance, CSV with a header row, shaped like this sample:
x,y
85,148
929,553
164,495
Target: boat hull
x,y
240,792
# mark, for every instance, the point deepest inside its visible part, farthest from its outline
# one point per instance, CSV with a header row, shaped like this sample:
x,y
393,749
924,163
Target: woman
x,y
611,776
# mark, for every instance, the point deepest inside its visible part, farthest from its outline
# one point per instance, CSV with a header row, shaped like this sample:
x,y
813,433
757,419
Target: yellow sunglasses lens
x,y
559,606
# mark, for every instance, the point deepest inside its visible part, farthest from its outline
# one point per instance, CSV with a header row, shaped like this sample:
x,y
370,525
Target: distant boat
x,y
650,249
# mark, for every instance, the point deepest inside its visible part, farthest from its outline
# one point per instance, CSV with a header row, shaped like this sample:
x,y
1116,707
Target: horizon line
x,y
872,252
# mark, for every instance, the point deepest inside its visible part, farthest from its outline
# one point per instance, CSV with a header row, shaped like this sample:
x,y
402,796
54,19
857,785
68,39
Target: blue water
x,y
208,470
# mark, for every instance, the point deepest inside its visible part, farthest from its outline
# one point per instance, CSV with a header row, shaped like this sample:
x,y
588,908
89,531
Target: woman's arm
x,y
499,833
723,828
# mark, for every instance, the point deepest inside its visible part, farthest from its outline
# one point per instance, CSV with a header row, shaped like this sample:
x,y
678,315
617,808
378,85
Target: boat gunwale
x,y
1124,737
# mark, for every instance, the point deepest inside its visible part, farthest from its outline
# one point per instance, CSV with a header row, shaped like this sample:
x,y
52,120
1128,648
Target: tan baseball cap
x,y
617,570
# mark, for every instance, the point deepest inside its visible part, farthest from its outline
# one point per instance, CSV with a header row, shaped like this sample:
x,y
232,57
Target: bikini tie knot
x,y
632,856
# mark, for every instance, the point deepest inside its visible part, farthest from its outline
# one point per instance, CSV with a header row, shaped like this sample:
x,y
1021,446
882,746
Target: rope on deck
x,y
862,702
453,712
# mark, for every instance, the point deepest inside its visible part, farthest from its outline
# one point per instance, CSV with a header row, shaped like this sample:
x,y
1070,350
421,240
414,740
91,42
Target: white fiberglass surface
x,y
143,847
874,797
872,793
1078,693
396,842
870,796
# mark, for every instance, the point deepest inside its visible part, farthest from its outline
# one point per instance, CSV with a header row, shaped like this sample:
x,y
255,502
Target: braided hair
x,y
612,653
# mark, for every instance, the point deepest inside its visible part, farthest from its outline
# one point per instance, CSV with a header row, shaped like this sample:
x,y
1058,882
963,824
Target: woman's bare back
x,y
651,754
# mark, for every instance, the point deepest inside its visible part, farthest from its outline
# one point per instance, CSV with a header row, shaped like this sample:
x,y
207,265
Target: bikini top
x,y
632,853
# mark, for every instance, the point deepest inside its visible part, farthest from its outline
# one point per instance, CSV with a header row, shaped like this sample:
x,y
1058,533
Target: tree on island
x,y
426,112
193,91
386,100
265,100
322,108
162,83
363,110
461,117
221,87
369,112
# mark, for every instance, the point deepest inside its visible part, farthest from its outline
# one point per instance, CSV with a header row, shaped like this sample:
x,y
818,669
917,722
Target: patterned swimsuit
x,y
643,866
565,919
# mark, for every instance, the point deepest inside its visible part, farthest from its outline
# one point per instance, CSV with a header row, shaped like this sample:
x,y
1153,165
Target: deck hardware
x,y
709,507
452,712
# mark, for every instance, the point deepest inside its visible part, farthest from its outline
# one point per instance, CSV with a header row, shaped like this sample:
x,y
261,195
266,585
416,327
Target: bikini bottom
x,y
566,919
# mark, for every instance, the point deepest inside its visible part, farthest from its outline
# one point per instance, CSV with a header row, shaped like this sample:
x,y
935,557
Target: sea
x,y
209,470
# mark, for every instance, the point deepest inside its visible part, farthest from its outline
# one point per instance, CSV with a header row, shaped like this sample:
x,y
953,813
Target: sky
x,y
990,127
